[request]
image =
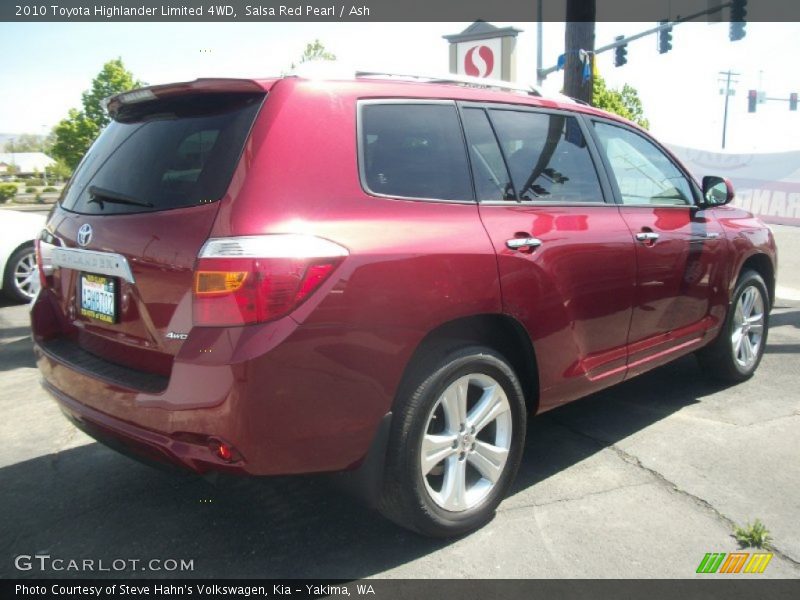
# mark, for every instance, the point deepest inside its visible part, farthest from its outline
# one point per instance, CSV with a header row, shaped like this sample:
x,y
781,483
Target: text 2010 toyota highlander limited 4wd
x,y
382,276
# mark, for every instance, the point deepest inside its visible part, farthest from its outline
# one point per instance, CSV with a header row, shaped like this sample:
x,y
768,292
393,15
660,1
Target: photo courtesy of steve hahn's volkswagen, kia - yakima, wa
x,y
381,277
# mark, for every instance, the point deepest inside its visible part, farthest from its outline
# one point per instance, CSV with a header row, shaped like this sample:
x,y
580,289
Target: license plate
x,y
98,298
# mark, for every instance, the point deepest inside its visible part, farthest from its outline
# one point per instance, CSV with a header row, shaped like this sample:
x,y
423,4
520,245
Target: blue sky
x,y
50,64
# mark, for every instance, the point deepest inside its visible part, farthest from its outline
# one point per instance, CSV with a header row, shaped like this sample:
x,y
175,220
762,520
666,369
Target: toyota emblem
x,y
85,234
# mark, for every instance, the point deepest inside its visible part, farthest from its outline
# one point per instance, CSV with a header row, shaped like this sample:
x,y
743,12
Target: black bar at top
x,y
372,10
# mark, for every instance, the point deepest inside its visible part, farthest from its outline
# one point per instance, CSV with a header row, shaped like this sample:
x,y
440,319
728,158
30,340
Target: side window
x,y
414,151
644,174
492,181
547,156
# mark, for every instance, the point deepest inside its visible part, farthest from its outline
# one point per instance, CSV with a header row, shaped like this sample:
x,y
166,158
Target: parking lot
x,y
641,480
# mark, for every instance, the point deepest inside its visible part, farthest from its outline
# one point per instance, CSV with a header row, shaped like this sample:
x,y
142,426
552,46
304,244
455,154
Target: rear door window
x,y
547,156
414,150
164,154
492,181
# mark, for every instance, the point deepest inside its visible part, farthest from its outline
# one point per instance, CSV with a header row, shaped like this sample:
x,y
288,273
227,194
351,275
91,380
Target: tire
x,y
736,353
427,497
21,279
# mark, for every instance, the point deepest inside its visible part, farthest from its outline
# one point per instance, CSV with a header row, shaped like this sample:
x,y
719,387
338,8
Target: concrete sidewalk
x,y
788,240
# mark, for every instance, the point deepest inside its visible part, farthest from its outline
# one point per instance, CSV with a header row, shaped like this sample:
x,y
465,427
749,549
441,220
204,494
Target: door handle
x,y
647,236
520,243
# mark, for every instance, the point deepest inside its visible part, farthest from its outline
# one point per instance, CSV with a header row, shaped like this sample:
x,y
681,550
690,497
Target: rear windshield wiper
x,y
101,195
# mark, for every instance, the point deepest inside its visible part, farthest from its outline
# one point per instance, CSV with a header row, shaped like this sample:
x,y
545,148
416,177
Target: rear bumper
x,y
145,445
290,398
295,409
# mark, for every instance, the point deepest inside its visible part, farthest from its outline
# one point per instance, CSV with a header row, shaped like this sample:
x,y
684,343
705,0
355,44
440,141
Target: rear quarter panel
x,y
413,265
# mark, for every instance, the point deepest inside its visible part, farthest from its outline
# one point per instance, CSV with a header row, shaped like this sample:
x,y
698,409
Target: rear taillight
x,y
44,263
39,265
241,280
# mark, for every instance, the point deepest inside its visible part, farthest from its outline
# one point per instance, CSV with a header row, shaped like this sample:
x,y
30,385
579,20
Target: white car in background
x,y
20,278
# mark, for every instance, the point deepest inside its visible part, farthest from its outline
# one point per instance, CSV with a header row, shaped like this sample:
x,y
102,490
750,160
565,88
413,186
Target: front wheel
x,y
736,353
456,444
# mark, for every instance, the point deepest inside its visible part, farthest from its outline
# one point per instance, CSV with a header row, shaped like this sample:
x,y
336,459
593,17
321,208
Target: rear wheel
x,y
736,353
21,279
456,444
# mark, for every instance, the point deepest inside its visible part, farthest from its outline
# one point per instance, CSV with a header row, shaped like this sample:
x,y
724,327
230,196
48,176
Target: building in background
x,y
24,164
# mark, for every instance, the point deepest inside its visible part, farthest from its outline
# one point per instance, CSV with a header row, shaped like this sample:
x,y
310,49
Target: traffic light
x,y
793,101
738,14
664,39
620,52
752,98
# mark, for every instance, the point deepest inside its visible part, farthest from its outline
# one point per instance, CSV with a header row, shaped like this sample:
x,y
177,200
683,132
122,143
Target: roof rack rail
x,y
459,79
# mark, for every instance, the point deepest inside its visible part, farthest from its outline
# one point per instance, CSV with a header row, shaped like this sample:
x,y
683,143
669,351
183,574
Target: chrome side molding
x,y
93,261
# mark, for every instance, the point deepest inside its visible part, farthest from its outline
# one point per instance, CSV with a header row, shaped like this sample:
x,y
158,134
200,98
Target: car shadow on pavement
x,y
14,355
571,433
17,353
6,301
89,502
790,317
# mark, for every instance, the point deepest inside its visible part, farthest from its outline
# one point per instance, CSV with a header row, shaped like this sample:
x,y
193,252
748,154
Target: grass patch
x,y
753,535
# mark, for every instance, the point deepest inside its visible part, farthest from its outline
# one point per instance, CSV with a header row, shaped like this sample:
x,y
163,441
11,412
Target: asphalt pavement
x,y
639,481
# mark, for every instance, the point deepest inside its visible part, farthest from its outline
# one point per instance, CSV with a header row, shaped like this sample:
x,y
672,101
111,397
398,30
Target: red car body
x,y
309,391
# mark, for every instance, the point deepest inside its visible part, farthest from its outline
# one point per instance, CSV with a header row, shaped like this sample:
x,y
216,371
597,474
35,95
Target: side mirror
x,y
716,191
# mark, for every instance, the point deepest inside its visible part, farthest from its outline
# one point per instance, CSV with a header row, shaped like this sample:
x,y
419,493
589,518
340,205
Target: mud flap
x,y
365,483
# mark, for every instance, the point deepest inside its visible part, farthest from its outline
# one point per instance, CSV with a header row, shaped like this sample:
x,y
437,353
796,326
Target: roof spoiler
x,y
114,104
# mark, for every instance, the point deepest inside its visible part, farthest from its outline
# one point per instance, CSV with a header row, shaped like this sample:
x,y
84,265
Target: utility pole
x,y
579,35
539,44
728,74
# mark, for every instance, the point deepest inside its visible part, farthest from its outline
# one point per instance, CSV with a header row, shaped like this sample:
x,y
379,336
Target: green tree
x,y
60,171
315,51
26,142
112,79
7,191
624,102
75,134
48,141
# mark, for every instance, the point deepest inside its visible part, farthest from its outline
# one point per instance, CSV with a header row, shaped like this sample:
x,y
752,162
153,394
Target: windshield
x,y
167,154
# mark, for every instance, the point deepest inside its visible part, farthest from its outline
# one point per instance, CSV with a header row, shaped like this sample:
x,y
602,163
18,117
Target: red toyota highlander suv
x,y
379,276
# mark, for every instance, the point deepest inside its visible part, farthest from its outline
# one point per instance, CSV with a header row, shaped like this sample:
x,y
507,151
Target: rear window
x,y
164,154
414,151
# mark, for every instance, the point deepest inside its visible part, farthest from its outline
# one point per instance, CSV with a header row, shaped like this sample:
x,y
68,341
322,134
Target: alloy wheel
x,y
748,327
466,443
26,276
